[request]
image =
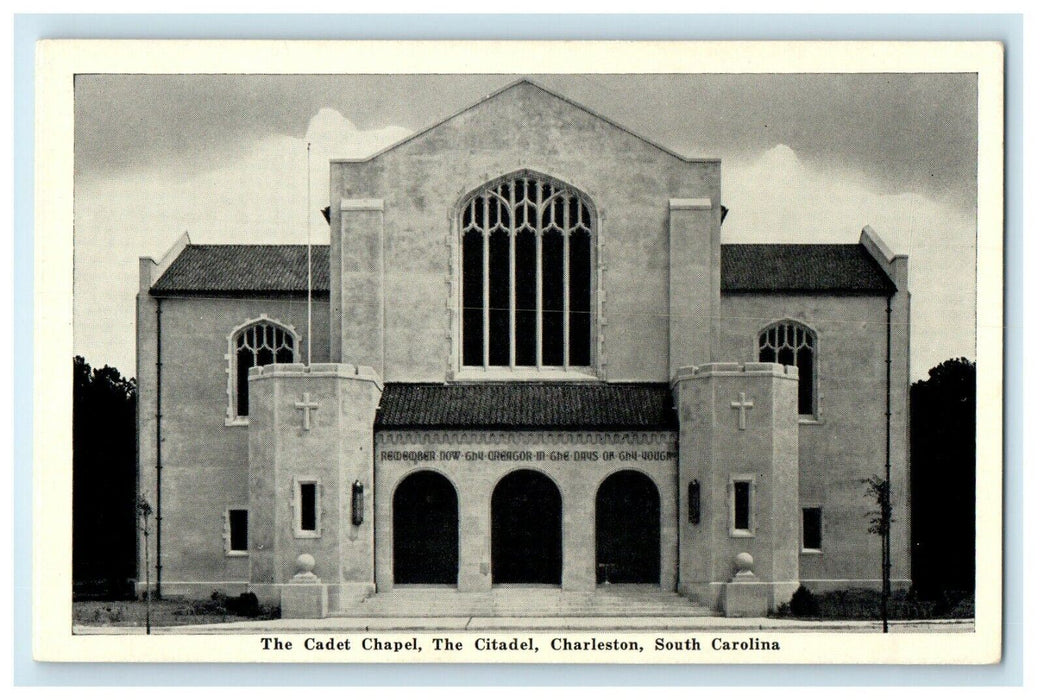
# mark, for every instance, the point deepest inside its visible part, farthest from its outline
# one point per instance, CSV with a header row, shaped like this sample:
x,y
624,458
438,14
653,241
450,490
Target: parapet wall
x,y
731,368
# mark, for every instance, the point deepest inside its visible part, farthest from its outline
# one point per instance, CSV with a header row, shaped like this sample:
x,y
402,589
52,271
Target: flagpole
x,y
308,219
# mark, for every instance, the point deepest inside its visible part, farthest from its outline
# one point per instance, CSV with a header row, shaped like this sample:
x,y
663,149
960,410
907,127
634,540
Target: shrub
x,y
803,603
245,605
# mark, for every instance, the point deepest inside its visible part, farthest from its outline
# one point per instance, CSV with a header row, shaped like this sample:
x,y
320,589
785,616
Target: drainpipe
x,y
886,521
159,447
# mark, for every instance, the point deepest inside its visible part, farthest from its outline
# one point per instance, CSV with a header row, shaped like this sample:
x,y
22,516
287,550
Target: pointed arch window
x,y
255,344
526,276
794,344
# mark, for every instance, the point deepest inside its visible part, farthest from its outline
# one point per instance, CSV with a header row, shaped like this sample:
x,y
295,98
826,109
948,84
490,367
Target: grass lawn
x,y
165,613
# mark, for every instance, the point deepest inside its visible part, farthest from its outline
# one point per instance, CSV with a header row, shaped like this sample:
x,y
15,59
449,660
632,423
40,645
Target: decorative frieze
x,y
534,438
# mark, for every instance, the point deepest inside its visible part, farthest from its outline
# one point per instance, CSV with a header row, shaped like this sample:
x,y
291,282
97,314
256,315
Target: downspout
x,y
159,448
886,521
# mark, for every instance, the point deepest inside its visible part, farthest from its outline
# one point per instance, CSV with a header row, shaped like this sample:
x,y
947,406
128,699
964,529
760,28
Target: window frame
x,y
300,533
229,552
814,416
231,389
751,482
810,550
539,371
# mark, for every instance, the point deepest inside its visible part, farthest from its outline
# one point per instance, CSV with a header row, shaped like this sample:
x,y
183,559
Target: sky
x,y
806,158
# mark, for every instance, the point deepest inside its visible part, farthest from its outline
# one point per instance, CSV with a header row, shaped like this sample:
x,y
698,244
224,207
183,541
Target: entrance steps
x,y
619,600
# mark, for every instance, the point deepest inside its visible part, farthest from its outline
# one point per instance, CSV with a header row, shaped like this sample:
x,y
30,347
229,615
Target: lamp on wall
x,y
694,502
357,503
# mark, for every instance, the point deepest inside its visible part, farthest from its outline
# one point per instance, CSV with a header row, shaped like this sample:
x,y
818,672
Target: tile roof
x,y
801,268
244,269
521,406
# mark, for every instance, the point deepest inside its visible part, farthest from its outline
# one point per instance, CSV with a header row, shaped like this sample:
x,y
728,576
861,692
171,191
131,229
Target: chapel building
x,y
532,362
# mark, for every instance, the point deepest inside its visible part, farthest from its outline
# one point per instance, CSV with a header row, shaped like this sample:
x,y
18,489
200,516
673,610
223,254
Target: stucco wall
x,y
846,442
423,181
204,460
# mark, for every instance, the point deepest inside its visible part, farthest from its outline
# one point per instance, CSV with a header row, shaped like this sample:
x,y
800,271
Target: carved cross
x,y
742,405
307,405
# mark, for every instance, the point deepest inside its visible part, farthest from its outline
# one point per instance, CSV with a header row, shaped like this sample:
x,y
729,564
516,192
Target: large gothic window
x,y
258,343
526,276
791,343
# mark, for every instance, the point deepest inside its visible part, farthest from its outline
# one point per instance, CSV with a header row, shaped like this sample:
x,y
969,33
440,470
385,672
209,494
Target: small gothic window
x,y
262,343
526,276
790,343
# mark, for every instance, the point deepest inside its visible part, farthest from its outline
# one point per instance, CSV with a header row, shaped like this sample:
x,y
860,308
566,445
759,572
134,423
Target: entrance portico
x,y
528,501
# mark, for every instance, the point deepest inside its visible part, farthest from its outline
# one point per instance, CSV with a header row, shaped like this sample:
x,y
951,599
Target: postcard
x,y
518,352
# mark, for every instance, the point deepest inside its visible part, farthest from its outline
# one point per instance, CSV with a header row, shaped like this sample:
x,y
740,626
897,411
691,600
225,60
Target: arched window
x,y
257,343
791,343
526,271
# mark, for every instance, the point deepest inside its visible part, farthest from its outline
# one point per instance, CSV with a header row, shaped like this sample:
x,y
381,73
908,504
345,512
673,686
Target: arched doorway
x,y
627,523
424,529
526,536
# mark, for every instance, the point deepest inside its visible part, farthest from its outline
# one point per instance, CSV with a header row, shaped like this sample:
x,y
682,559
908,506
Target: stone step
x,y
606,601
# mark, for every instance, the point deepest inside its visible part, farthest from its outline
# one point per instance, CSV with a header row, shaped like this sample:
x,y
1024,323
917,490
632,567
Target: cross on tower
x,y
743,405
307,405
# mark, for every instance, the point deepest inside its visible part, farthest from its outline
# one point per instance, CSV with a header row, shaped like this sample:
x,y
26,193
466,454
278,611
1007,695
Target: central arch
x,y
627,523
526,529
424,529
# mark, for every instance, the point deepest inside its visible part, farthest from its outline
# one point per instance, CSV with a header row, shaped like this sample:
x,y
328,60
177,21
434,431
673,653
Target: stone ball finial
x,y
305,563
744,563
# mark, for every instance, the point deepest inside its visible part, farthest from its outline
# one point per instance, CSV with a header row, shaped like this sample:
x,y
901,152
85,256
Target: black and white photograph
x,y
598,354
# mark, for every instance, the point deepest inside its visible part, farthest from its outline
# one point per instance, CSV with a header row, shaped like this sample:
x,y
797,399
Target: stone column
x,y
473,499
357,283
694,281
738,422
578,538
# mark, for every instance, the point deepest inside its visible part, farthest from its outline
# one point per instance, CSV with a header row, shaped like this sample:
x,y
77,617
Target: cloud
x,y
259,197
776,197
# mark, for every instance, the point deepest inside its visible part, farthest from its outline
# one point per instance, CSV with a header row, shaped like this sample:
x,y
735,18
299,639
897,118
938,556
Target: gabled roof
x,y
510,86
238,270
775,267
536,406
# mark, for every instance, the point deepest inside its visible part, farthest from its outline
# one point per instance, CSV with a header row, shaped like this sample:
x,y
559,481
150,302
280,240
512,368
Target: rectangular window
x,y
812,529
237,531
308,507
307,510
742,505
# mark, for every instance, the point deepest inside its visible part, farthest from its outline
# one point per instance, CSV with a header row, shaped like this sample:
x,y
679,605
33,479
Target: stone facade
x,y
318,476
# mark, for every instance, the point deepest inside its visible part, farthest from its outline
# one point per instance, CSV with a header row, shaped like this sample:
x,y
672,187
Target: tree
x,y
143,509
942,478
881,525
104,476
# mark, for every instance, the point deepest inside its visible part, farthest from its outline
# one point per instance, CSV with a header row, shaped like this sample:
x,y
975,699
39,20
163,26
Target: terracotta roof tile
x,y
242,269
801,268
534,406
